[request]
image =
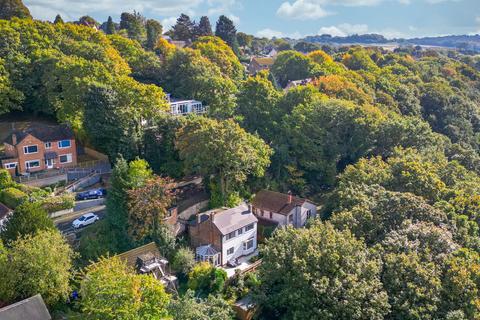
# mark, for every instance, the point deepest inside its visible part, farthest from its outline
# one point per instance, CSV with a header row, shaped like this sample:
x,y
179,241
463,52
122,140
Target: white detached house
x,y
223,235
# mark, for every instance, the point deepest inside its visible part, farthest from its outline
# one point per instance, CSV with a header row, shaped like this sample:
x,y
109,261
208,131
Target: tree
x,y
134,24
13,8
38,264
306,47
244,40
110,290
148,207
227,32
183,29
204,28
292,65
189,307
10,98
154,32
282,45
205,279
221,55
110,29
257,104
320,273
183,260
58,19
238,154
27,219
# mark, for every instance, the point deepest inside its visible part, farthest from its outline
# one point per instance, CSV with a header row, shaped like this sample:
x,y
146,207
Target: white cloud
x,y
344,29
477,19
270,33
234,18
301,9
169,23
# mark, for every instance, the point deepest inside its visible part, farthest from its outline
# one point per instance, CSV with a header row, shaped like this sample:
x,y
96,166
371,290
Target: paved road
x,y
65,225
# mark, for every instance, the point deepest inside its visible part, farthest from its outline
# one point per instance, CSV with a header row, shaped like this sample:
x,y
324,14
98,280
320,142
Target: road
x,y
64,224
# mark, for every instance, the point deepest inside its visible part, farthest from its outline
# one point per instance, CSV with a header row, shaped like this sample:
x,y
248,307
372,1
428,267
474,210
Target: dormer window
x,y
64,144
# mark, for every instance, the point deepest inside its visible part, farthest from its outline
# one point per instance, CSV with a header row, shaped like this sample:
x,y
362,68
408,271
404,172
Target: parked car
x,y
85,220
92,194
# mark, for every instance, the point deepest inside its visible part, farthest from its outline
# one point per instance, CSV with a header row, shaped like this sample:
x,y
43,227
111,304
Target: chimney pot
x,y
250,208
290,197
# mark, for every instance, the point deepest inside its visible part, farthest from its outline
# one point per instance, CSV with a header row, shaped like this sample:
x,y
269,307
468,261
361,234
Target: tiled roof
x,y
32,309
276,202
43,133
232,219
130,257
264,61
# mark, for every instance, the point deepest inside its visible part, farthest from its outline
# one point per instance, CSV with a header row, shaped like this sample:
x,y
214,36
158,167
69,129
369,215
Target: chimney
x,y
14,139
250,208
290,197
199,218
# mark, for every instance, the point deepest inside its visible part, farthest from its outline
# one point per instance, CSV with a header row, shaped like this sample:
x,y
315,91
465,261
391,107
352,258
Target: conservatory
x,y
209,254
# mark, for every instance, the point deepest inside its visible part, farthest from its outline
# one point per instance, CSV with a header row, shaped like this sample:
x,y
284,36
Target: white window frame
x,y
48,145
240,231
251,226
245,244
69,158
8,165
27,164
230,251
231,235
25,149
59,144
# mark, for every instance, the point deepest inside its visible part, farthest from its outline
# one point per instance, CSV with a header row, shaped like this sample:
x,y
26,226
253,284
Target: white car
x,y
85,220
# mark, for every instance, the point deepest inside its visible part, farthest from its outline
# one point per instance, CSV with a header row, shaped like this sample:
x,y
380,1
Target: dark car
x,y
92,194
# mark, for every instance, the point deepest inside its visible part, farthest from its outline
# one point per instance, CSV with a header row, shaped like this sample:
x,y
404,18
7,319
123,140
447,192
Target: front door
x,y
49,163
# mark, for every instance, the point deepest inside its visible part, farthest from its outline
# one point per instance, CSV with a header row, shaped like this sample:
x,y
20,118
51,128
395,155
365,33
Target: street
x,y
64,224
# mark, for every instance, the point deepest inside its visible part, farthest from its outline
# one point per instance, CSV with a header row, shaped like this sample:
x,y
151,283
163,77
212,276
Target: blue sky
x,y
294,18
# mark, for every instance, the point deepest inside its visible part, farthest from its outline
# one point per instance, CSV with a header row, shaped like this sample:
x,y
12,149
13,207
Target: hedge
x,y
53,204
12,197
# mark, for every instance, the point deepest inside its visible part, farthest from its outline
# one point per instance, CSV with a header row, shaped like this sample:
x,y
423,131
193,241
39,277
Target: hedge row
x,y
53,204
12,197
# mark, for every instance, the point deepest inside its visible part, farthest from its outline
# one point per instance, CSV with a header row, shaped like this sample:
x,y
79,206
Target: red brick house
x,y
259,63
39,148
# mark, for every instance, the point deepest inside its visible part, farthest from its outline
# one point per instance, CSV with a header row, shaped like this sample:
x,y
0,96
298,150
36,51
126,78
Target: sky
x,y
291,18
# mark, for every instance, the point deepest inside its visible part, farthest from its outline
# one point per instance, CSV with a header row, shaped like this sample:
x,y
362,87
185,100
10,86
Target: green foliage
x,y
134,24
13,197
183,260
110,290
205,279
26,220
37,264
63,202
238,153
110,28
13,8
154,32
320,273
204,28
184,28
292,65
226,30
5,179
190,307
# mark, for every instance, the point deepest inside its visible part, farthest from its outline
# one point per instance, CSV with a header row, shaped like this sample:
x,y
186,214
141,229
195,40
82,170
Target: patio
x,y
243,264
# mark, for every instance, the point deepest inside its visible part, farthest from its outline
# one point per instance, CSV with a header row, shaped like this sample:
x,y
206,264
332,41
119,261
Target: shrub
x,y
5,179
64,202
205,279
12,197
183,260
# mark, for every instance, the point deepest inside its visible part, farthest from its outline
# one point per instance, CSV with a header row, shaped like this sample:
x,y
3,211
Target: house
x,y
272,53
258,64
32,309
283,209
147,260
184,106
5,213
223,235
38,148
297,83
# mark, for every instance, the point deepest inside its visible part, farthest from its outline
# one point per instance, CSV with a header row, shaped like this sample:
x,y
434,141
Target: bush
x,y
5,179
64,202
12,197
183,260
205,279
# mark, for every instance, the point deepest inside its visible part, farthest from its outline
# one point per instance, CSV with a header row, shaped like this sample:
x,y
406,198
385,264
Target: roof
x,y
32,309
43,133
276,202
206,251
232,219
265,61
130,257
4,211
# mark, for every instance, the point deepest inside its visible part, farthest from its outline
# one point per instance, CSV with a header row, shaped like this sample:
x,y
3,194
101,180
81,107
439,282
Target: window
x,y
231,235
11,165
271,215
230,251
64,144
263,212
240,231
309,214
247,245
48,145
290,218
32,164
249,227
30,149
66,158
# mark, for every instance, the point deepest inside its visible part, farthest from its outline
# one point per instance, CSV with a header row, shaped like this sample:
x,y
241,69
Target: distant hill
x,y
461,42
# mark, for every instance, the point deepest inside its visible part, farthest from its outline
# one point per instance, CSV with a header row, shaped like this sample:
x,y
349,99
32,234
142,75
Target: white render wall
x,y
237,243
